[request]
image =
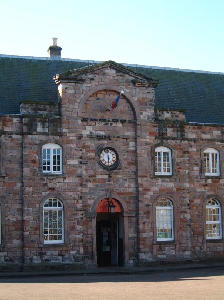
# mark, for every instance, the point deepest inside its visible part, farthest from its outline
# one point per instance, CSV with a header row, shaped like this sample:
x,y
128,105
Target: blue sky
x,y
166,33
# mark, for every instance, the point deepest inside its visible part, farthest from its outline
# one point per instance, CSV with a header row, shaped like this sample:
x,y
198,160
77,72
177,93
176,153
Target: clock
x,y
108,158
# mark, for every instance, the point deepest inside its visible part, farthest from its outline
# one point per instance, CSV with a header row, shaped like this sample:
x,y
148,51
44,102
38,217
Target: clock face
x,y
108,157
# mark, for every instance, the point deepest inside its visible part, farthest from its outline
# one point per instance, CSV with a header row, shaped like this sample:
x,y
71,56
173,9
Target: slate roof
x,y
200,94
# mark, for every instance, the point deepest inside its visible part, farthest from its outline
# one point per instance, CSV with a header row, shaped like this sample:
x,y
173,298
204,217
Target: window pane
x,y
166,162
158,162
214,162
57,160
213,219
53,220
212,202
206,162
51,159
46,160
164,222
213,230
45,219
211,161
162,161
164,202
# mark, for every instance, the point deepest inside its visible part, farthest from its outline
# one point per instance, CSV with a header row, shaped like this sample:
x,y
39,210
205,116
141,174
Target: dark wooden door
x,y
109,240
104,243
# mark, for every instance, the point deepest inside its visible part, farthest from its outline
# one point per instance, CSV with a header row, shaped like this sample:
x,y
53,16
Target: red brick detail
x,y
103,206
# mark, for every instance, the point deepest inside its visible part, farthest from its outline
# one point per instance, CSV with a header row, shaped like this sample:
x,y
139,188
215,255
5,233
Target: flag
x,y
115,102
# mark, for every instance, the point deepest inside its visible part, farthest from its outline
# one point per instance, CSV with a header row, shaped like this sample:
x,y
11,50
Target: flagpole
x,y
115,102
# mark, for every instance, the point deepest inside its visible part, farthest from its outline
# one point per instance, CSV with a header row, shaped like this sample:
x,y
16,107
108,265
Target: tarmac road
x,y
179,284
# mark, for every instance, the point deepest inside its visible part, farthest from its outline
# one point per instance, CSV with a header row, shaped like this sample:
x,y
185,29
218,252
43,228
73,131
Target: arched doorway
x,y
109,233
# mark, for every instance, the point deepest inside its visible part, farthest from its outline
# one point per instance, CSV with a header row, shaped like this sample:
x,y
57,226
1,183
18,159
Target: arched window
x,y
52,159
163,161
164,220
53,219
213,220
211,162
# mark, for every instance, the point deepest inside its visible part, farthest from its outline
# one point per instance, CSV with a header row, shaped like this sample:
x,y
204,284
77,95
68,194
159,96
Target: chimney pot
x,y
54,51
55,41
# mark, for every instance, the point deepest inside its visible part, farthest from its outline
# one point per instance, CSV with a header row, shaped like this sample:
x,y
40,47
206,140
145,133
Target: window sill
x,y
173,242
52,175
162,176
203,176
54,245
214,240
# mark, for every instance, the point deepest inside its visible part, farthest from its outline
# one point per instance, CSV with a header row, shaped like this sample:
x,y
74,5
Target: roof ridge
x,y
48,58
174,69
124,64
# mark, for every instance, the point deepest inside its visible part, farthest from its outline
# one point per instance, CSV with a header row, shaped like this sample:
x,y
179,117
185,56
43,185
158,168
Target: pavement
x,y
117,270
193,284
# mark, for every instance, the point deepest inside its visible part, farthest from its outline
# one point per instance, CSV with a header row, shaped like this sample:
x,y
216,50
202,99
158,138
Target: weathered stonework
x,y
81,123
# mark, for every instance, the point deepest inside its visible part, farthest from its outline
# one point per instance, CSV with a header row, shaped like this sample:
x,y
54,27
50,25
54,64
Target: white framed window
x,y
53,221
211,162
163,161
213,220
164,220
52,159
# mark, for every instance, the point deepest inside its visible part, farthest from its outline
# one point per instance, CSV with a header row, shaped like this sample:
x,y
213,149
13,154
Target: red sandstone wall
x,y
131,129
10,190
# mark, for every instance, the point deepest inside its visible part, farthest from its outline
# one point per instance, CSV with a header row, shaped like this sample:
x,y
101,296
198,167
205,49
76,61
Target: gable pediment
x,y
78,75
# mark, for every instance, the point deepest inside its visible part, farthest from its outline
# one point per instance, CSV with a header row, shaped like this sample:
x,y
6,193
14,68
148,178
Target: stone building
x,y
86,183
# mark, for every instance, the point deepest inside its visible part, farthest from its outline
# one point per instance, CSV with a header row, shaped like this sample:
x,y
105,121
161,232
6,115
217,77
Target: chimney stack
x,y
54,50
